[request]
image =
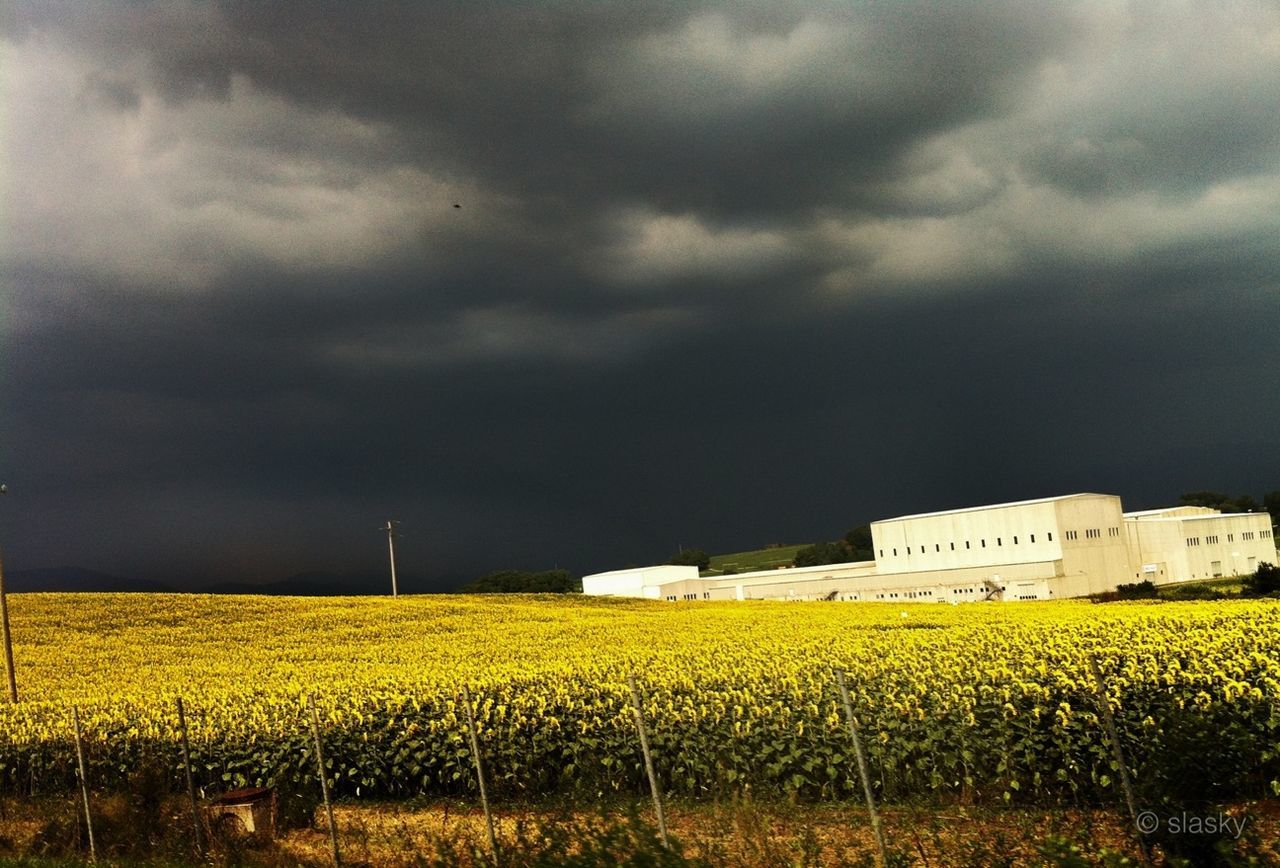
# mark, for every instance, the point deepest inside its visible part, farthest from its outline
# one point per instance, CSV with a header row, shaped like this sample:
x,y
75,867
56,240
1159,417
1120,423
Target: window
x,y
937,547
1231,537
895,553
966,543
999,541
1033,537
1050,536
1015,540
984,544
881,552
953,546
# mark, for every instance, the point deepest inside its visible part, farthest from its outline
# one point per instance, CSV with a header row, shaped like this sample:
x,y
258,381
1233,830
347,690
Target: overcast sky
x,y
722,274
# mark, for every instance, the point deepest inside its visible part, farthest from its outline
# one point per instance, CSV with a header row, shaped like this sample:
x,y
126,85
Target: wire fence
x,y
663,754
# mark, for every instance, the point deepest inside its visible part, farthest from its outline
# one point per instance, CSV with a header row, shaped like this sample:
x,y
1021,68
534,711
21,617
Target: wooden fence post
x,y
324,780
84,783
7,639
638,711
475,756
191,783
1113,736
863,774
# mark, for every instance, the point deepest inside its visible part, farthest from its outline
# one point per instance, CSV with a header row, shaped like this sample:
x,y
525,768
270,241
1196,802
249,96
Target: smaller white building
x,y
1193,543
637,581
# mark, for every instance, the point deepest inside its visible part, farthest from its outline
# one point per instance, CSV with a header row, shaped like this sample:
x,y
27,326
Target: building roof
x,y
1197,516
1185,509
661,567
992,506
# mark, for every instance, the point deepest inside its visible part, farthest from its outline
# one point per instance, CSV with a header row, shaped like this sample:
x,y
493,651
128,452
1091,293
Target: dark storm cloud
x,y
721,274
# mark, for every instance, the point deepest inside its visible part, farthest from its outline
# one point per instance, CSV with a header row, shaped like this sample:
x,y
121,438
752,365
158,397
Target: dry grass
x,y
742,833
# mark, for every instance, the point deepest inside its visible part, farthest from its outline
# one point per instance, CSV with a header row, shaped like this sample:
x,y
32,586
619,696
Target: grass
x,y
1227,585
737,833
759,559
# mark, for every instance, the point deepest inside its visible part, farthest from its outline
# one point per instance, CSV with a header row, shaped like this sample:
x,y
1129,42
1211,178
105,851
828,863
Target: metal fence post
x,y
638,711
324,780
84,783
1113,736
475,756
876,829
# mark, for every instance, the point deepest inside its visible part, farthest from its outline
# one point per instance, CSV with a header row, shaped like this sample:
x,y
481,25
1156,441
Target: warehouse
x,y
1189,543
1049,548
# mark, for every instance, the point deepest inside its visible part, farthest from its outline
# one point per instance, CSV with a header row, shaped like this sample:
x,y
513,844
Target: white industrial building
x,y
1051,548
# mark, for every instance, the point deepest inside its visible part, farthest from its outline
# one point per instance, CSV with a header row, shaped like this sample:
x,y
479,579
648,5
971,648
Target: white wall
x,y
1191,547
637,582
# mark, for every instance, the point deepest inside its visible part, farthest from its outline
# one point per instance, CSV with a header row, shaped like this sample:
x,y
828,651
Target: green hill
x,y
761,559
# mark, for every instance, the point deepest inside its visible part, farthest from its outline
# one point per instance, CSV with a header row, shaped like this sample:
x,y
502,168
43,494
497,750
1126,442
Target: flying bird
x,y
456,205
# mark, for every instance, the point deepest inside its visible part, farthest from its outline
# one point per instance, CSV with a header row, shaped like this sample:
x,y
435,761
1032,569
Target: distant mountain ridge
x,y
315,583
79,579
310,584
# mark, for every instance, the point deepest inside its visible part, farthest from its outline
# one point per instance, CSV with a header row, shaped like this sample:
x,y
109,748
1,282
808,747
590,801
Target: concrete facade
x,y
1191,543
637,581
1050,548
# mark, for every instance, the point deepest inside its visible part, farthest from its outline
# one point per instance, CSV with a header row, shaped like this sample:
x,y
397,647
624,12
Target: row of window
x,y
1093,533
1214,539
1090,533
937,547
906,595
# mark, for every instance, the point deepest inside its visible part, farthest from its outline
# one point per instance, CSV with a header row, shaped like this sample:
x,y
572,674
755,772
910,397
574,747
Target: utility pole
x,y
5,637
391,550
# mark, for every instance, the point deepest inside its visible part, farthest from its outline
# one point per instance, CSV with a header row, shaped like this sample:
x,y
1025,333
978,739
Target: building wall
x,y
841,583
1185,547
638,582
1095,550
961,539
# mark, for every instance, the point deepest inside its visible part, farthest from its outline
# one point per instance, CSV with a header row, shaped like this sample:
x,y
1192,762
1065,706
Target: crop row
x,y
980,703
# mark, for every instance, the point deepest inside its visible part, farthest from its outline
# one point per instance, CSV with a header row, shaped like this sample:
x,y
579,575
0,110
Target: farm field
x,y
979,704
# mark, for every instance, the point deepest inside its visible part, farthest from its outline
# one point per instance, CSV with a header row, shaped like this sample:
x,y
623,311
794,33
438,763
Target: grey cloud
x,y
721,275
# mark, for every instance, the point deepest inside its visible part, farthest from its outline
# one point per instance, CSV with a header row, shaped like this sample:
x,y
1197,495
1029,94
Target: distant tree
x,y
861,548
1218,500
1137,591
1264,582
823,553
1271,501
1211,499
692,558
1245,503
524,582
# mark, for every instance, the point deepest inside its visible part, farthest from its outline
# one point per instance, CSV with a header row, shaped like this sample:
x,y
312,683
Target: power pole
x,y
391,550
